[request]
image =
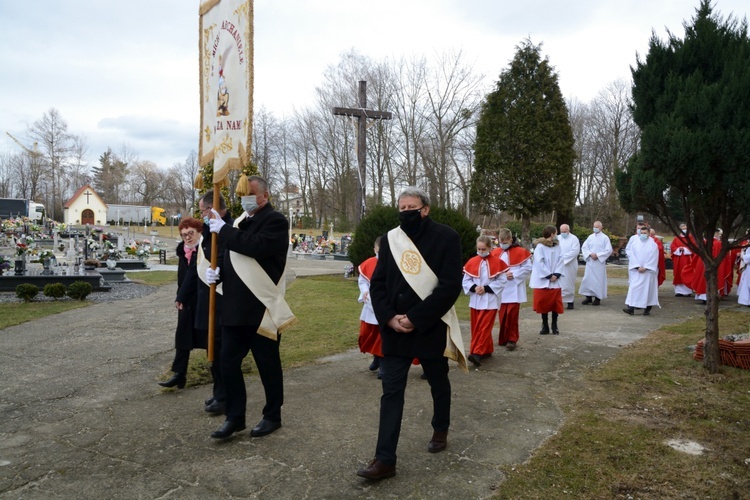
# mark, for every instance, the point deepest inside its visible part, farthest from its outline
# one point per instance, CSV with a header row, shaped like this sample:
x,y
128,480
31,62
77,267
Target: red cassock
x,y
682,265
482,320
369,334
662,262
699,276
508,313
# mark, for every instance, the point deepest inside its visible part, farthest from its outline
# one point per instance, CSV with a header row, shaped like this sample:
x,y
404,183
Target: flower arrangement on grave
x,y
4,264
21,249
92,244
45,254
110,252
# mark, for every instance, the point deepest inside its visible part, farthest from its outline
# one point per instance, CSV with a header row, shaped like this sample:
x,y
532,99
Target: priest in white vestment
x,y
596,250
743,290
643,272
570,247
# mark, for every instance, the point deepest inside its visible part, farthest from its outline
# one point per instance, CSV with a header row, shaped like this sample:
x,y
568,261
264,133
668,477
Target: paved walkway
x,y
81,415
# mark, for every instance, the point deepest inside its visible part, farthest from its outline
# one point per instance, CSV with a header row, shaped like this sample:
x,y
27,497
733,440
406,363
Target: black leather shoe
x,y
511,346
438,442
629,310
377,470
177,379
597,302
228,428
647,311
544,330
264,427
570,305
380,373
474,359
586,301
216,408
208,401
555,331
375,363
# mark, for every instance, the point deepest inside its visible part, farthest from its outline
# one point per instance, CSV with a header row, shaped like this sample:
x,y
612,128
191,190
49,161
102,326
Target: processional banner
x,y
226,85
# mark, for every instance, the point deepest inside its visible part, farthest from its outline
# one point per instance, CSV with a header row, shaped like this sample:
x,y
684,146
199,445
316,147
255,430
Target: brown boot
x,y
377,470
438,442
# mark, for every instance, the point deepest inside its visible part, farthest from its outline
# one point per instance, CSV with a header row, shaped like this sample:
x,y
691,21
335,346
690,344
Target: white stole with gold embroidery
x,y
423,281
278,316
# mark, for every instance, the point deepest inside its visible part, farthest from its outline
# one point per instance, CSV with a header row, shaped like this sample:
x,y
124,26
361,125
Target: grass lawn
x,y
15,313
612,444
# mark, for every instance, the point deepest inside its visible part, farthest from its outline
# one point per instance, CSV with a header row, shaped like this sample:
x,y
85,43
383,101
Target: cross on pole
x,y
362,114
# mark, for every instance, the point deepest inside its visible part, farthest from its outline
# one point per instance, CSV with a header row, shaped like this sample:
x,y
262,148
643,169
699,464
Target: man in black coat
x,y
411,327
216,404
264,236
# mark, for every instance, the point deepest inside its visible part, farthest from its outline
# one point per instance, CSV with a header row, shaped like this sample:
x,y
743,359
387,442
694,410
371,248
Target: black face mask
x,y
410,220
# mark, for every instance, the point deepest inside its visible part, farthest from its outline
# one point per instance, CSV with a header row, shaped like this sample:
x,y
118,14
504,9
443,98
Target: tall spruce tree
x,y
524,146
691,100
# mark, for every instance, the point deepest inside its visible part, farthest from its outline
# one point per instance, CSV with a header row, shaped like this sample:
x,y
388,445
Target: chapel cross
x,y
362,114
87,194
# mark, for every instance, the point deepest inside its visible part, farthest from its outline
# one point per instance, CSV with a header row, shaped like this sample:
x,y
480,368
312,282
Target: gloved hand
x,y
216,223
212,275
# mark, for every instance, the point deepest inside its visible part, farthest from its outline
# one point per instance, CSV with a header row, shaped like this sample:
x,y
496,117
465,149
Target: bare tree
x,y
54,142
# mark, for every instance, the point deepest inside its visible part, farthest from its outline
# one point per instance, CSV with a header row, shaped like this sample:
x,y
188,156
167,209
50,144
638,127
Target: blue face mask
x,y
564,235
504,246
249,203
643,237
596,230
206,218
483,254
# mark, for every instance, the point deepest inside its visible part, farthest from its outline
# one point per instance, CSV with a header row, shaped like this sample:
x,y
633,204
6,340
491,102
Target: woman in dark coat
x,y
187,337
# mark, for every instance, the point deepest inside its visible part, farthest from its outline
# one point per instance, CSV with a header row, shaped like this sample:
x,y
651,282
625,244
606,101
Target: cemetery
x,y
59,253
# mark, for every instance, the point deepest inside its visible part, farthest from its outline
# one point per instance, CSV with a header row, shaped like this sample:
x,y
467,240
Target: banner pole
x,y
212,288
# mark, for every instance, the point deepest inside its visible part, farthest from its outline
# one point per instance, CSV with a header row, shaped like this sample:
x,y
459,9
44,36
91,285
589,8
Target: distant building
x,y
85,207
290,204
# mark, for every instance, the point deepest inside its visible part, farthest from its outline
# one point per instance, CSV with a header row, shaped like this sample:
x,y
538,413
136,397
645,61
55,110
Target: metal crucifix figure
x,y
362,114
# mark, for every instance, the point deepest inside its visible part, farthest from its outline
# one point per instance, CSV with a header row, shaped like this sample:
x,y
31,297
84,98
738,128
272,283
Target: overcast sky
x,y
126,71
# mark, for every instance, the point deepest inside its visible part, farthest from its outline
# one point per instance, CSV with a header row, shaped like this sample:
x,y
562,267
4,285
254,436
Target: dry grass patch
x,y
613,442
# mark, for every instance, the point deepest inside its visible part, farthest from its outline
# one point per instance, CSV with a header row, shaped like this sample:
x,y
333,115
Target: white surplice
x,y
570,247
643,287
594,282
743,290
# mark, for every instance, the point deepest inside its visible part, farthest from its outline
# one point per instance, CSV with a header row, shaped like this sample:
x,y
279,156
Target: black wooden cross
x,y
362,114
87,194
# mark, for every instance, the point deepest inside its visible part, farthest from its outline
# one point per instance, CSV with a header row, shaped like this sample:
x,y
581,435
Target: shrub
x,y
78,290
54,290
26,291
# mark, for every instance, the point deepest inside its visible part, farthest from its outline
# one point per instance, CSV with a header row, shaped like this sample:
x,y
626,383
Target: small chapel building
x,y
85,207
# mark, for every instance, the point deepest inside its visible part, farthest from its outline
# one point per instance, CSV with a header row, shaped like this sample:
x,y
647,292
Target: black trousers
x,y
219,393
181,360
236,342
395,374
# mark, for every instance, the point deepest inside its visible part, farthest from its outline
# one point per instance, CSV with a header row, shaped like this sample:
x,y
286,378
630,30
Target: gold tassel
x,y
242,186
198,183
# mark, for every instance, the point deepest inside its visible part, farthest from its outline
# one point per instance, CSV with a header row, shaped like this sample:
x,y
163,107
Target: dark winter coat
x,y
187,337
201,312
440,247
264,237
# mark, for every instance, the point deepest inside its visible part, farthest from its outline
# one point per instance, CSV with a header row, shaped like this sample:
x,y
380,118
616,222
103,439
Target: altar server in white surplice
x,y
743,290
570,247
643,272
596,250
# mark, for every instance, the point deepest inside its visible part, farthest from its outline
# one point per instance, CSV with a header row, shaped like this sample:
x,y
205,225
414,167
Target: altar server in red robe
x,y
483,281
369,332
682,264
518,260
